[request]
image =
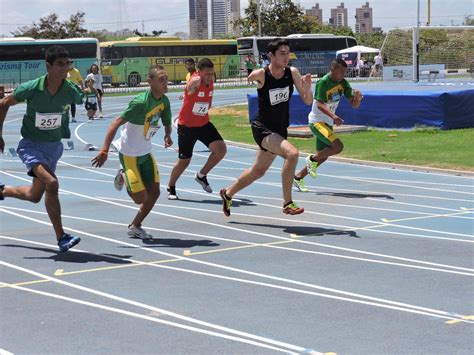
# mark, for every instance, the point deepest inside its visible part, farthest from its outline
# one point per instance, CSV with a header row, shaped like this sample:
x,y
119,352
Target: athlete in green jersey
x,y
45,122
139,123
328,93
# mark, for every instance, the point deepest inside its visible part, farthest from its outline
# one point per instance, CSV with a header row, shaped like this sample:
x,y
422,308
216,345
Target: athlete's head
x,y
206,71
279,52
158,80
57,61
338,69
190,65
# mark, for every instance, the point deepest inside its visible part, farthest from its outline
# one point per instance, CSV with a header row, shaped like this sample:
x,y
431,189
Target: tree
x,y
278,18
374,39
50,27
154,33
469,21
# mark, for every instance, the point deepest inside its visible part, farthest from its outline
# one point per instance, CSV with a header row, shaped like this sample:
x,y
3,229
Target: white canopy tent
x,y
352,55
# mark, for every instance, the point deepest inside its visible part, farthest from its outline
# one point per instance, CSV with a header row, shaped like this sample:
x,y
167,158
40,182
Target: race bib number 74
x,y
47,121
279,95
201,108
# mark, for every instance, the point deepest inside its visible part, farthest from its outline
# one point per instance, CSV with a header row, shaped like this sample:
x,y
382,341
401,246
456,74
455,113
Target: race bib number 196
x,y
47,121
279,95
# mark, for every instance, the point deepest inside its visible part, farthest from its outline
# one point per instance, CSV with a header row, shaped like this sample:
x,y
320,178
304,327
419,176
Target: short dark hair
x,y
153,69
189,60
338,62
205,63
55,52
275,44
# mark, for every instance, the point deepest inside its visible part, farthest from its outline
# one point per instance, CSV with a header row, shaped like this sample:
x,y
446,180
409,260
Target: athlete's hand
x,y
306,81
358,95
338,121
2,144
100,159
168,141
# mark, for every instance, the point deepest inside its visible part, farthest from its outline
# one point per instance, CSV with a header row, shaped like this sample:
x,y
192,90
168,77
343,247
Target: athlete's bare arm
x,y
193,84
101,157
303,85
356,99
5,104
258,76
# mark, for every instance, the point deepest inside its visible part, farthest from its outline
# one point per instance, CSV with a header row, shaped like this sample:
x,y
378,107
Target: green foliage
x,y
50,27
373,40
278,18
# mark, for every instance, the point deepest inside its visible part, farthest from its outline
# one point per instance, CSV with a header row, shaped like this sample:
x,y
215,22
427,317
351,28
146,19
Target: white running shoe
x,y
119,180
138,232
203,182
311,166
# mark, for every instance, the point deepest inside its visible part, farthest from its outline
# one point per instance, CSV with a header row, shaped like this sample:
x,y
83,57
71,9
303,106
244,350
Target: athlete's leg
x,y
335,148
262,162
218,151
178,169
280,146
147,199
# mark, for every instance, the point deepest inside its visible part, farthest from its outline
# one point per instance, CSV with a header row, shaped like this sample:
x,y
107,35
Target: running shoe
x,y
138,232
203,182
311,166
2,186
292,208
226,203
172,193
66,242
119,181
299,184
73,120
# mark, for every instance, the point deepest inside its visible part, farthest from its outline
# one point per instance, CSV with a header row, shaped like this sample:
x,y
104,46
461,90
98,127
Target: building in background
x,y
224,13
364,21
339,16
198,24
317,13
234,16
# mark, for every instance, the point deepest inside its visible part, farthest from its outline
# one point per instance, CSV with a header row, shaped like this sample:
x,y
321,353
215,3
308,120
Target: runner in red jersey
x,y
194,125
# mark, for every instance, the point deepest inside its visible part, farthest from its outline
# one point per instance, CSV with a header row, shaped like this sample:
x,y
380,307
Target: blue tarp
x,y
394,109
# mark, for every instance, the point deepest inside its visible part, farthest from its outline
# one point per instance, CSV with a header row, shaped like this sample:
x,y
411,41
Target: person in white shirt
x,y
98,80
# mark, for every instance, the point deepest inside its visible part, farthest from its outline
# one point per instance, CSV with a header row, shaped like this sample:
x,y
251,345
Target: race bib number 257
x,y
47,121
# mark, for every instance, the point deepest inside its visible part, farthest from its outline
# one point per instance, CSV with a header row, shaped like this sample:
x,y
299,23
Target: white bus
x,y
310,53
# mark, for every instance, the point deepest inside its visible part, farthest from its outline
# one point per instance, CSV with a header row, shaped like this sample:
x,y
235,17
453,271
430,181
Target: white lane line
x,y
415,182
171,314
141,316
334,216
397,184
376,224
363,164
76,132
434,266
371,301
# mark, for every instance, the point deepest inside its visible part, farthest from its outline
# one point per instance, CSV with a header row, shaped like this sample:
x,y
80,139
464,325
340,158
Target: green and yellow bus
x,y
127,62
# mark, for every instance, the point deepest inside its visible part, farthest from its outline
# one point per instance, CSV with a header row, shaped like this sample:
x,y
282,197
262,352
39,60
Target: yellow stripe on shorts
x,y
155,169
132,175
326,131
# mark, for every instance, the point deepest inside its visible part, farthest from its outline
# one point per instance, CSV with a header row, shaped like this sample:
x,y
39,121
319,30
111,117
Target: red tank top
x,y
194,112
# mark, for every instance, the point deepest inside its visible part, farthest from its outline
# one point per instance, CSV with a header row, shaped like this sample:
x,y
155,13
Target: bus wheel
x,y
134,79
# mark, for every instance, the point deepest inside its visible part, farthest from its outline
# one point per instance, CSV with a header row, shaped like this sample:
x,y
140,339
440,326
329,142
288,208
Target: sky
x,y
172,15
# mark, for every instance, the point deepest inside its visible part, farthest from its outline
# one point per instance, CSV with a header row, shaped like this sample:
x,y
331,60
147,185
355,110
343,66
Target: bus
x,y
128,61
22,58
310,53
